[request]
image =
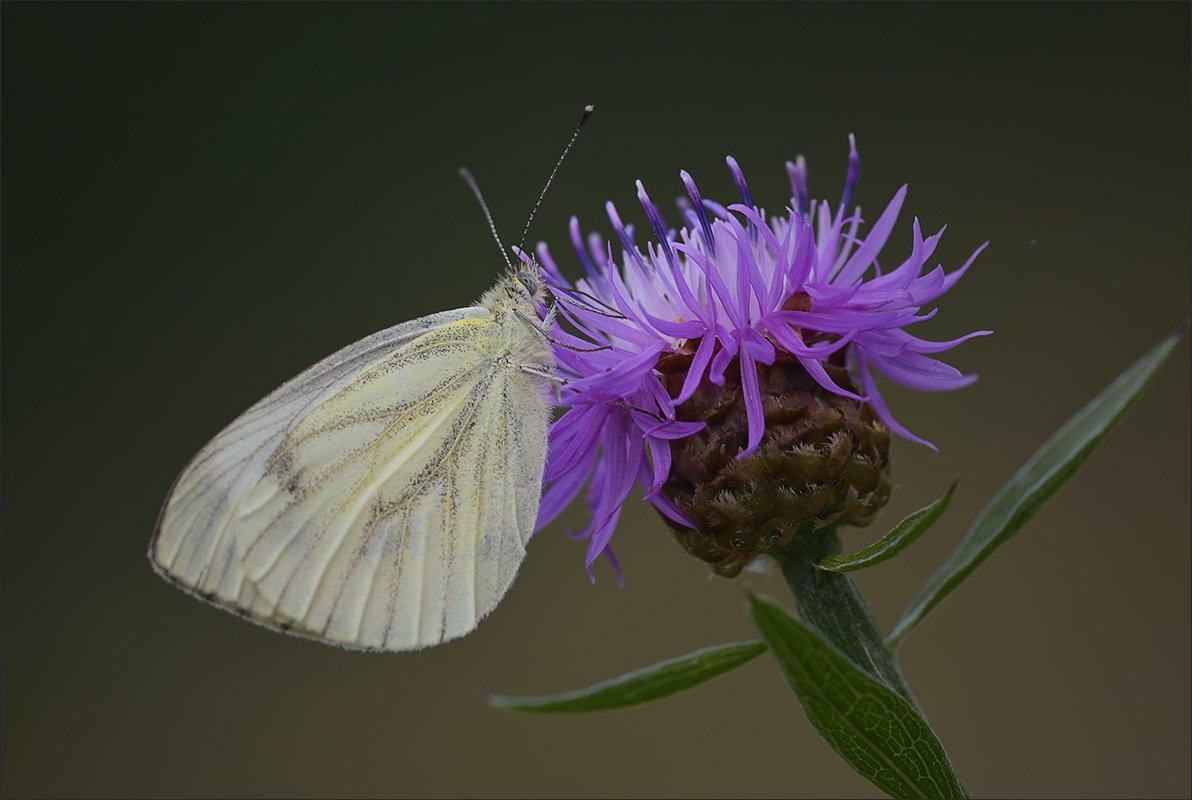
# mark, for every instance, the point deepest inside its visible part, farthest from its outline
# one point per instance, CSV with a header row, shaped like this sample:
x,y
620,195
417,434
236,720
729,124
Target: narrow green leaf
x,y
894,542
650,683
877,731
1038,480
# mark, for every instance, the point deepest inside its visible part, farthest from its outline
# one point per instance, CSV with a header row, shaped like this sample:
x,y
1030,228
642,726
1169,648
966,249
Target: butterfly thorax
x,y
514,303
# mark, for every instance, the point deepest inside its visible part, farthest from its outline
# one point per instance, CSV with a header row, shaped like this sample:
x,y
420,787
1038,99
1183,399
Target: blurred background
x,y
200,200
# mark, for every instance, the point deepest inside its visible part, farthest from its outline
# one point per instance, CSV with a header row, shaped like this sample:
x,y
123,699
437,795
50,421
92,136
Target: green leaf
x,y
894,542
1038,480
877,731
650,683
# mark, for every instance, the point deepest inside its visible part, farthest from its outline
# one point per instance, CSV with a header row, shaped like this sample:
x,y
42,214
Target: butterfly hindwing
x,y
383,498
305,491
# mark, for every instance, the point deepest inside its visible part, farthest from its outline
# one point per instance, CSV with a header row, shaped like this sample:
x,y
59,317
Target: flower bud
x,y
823,461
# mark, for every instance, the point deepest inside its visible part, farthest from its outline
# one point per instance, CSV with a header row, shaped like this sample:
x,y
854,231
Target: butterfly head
x,y
528,280
522,288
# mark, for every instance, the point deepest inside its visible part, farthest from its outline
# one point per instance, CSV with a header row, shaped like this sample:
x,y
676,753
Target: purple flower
x,y
730,289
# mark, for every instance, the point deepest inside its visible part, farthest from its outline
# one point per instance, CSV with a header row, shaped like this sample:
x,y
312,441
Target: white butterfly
x,y
381,500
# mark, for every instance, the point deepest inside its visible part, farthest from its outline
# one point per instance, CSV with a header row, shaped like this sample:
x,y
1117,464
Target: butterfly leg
x,y
548,321
545,372
541,328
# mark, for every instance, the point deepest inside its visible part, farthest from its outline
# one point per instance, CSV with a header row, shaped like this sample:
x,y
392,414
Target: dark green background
x,y
201,200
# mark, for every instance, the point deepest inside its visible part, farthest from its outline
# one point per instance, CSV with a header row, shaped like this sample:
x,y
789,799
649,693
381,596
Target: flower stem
x,y
833,603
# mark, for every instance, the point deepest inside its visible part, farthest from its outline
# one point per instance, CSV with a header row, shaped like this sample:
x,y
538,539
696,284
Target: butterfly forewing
x,y
380,500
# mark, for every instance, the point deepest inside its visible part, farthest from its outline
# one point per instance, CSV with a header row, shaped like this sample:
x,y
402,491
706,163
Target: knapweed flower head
x,y
730,367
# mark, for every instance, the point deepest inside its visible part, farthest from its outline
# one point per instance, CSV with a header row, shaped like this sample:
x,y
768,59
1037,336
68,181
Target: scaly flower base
x,y
823,461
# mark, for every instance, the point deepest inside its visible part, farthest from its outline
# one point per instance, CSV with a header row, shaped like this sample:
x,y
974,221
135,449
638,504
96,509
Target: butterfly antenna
x,y
492,226
579,127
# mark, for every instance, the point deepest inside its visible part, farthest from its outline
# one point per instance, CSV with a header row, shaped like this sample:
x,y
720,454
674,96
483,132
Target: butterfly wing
x,y
380,500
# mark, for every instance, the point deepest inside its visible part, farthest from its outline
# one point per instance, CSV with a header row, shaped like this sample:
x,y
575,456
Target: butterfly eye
x,y
529,280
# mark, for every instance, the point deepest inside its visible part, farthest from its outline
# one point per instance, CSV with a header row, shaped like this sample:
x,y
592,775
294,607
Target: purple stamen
x,y
524,257
797,172
739,179
720,211
655,217
854,168
596,250
577,244
625,235
549,267
697,204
